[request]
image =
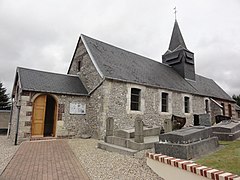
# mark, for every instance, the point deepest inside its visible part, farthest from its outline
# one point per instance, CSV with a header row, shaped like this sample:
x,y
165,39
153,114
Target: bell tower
x,y
178,56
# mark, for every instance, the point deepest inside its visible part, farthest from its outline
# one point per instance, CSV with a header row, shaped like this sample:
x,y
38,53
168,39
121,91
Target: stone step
x,y
115,148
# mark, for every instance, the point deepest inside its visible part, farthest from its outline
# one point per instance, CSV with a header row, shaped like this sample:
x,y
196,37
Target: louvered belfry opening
x,y
178,56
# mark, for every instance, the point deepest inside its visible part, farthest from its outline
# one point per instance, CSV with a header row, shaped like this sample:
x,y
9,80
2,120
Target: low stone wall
x,y
172,168
4,118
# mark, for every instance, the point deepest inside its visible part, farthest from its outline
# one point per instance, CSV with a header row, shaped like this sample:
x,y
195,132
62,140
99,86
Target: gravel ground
x,y
7,150
109,165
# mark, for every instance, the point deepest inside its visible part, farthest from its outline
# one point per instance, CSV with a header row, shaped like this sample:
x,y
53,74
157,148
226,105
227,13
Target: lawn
x,y
226,159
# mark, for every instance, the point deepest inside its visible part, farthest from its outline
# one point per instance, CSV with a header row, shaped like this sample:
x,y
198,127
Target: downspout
x,y
10,120
18,117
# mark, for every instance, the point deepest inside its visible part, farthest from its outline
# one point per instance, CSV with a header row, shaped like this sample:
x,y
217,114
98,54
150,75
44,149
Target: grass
x,y
226,159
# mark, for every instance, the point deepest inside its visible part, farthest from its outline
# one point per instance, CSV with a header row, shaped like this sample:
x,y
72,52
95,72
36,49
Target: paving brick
x,y
48,160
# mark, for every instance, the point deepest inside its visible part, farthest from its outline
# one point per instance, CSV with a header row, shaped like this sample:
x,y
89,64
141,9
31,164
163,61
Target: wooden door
x,y
39,116
55,119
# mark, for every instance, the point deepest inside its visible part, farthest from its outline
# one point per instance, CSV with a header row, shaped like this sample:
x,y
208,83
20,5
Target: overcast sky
x,y
43,34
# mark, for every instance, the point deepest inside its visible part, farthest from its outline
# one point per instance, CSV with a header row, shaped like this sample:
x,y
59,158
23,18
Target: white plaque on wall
x,y
77,108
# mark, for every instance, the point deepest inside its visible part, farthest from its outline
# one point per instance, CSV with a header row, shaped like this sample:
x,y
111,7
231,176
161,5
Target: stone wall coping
x,y
5,111
191,166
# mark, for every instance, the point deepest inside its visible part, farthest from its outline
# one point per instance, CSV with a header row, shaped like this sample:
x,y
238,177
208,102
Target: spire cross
x,y
175,12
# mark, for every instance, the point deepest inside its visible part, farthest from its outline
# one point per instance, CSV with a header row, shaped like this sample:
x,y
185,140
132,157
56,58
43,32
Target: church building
x,y
106,81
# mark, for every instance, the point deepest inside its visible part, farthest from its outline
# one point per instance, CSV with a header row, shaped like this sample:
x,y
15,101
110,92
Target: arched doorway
x,y
44,116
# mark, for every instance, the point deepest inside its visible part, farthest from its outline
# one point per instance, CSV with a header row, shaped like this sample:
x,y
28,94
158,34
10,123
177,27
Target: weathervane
x,y
175,12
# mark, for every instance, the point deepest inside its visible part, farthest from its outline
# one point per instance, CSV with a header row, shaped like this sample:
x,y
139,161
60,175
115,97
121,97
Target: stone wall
x,y
88,72
116,104
66,124
25,116
92,80
71,124
96,113
217,110
4,118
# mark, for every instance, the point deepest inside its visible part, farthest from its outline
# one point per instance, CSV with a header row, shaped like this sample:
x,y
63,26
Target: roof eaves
x,y
237,107
216,102
145,84
171,89
91,57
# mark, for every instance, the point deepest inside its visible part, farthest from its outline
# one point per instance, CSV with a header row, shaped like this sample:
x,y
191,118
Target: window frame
x,y
207,105
223,108
186,99
230,110
79,65
136,94
166,103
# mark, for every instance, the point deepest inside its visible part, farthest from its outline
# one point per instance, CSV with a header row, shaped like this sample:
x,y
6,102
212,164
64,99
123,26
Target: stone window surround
x,y
190,103
135,99
169,102
142,100
209,107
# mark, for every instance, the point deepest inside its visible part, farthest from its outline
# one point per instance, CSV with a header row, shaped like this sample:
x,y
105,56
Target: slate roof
x,y
237,107
40,81
115,63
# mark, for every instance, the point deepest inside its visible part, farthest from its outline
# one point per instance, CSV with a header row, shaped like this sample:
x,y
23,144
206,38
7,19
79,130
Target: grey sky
x,y
43,34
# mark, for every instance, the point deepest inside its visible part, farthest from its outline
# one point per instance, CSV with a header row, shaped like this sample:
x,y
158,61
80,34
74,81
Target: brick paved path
x,y
44,160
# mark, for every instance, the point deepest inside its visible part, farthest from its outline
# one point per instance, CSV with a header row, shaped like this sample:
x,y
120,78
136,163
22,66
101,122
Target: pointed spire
x,y
176,41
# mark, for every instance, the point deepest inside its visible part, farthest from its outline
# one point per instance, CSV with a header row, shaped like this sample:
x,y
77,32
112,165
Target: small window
x,y
135,99
164,102
186,105
223,108
79,65
229,110
207,106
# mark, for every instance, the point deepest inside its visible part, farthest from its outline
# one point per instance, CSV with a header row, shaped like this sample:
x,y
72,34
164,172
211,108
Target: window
x,y
164,102
223,108
79,65
229,110
207,106
135,99
186,105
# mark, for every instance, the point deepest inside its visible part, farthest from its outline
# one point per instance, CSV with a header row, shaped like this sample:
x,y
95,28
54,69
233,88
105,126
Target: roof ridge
x,y
125,50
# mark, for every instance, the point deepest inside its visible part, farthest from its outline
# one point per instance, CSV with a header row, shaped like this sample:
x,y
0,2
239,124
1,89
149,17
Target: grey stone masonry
x,y
87,72
167,125
187,135
205,120
4,118
187,151
187,143
139,138
227,130
109,126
